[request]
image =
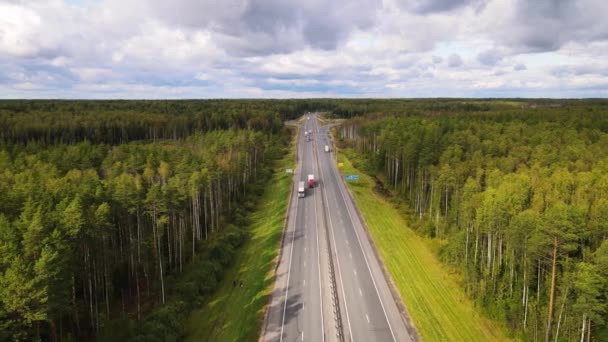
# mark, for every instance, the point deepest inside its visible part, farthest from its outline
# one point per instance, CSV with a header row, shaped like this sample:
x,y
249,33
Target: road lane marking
x,y
354,270
293,236
341,189
319,275
324,194
360,292
304,282
350,255
366,316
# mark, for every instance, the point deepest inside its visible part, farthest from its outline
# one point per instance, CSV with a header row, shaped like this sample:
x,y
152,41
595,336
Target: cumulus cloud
x,y
490,57
519,67
293,48
454,61
435,6
262,27
546,25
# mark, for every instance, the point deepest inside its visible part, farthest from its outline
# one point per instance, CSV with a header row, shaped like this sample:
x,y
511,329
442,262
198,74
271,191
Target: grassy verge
x,y
235,313
438,306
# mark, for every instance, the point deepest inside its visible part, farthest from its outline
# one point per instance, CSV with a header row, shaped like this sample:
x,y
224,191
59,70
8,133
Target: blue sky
x,y
294,49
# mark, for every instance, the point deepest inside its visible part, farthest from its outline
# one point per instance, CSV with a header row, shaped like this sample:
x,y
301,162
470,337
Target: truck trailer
x,y
311,181
301,190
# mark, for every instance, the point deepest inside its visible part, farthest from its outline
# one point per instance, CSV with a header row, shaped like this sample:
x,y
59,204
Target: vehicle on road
x,y
326,148
311,181
301,190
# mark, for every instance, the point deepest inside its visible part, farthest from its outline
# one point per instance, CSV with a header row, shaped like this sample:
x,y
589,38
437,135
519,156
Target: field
x,y
438,306
235,313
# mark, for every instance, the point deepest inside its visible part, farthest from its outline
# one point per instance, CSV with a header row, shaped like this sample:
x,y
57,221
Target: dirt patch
x,y
379,188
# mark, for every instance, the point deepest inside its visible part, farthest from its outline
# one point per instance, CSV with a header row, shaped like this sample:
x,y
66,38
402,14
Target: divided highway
x,y
325,233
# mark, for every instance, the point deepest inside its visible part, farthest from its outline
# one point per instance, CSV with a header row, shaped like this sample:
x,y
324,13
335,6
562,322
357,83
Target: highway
x,y
297,305
370,312
325,233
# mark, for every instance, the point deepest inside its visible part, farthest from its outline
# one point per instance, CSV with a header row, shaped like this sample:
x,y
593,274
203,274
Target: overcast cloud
x,y
295,48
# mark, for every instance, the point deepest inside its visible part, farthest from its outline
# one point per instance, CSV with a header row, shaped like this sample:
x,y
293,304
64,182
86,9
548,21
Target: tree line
x,y
518,195
92,230
121,121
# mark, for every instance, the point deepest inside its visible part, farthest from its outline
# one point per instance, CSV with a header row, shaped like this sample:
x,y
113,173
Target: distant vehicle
x,y
326,148
305,133
301,190
308,118
311,181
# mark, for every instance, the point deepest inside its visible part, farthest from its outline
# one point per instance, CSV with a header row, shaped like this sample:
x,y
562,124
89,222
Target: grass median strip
x,y
438,306
235,311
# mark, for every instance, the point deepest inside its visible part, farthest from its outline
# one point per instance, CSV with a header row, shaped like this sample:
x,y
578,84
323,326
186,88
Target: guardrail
x,y
332,274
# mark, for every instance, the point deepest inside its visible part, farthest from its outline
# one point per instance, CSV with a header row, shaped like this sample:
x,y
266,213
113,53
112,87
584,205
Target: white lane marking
x,y
347,241
319,275
304,282
342,190
354,270
302,335
324,194
293,236
350,255
304,249
366,316
360,292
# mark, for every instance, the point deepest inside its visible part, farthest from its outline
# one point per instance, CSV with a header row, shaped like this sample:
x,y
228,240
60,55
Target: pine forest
x,y
517,194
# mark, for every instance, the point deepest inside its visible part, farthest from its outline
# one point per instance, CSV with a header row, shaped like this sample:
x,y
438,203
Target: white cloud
x,y
291,48
18,26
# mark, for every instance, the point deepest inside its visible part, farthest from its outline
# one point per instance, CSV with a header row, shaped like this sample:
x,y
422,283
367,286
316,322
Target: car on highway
x,y
301,190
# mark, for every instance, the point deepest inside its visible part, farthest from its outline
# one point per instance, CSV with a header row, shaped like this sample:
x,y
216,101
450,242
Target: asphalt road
x,y
296,311
301,307
369,310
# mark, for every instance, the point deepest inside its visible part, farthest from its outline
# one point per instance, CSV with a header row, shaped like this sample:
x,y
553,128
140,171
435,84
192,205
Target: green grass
x,y
236,313
438,306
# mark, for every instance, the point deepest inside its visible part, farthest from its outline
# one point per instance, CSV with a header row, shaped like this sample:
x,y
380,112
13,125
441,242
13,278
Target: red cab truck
x,y
311,181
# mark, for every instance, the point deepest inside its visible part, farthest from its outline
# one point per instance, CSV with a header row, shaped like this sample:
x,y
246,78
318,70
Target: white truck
x,y
326,148
301,190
